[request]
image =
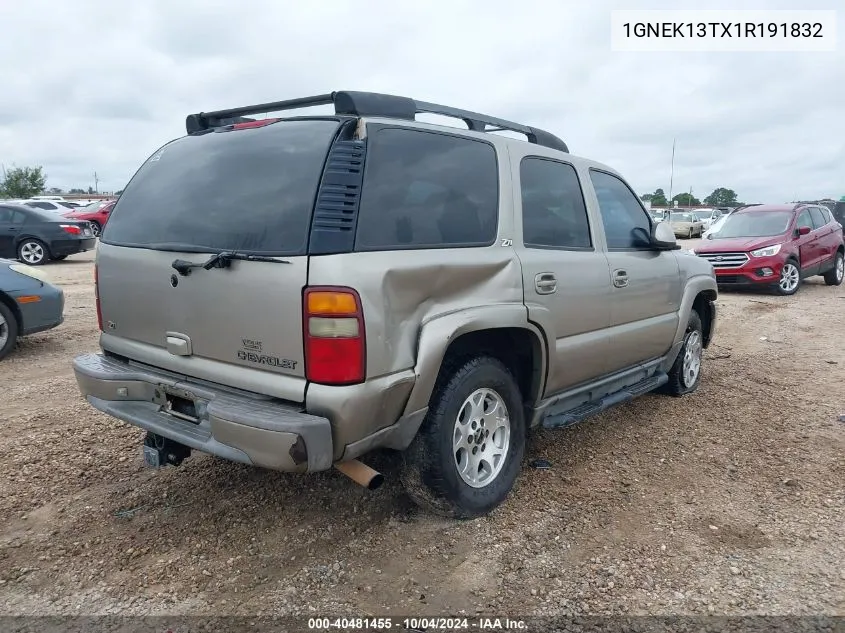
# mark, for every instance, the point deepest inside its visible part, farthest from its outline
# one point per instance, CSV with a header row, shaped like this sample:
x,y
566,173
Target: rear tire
x,y
465,459
33,252
8,330
685,375
834,276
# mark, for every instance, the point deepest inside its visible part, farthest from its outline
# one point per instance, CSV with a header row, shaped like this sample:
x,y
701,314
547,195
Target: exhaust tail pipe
x,y
361,474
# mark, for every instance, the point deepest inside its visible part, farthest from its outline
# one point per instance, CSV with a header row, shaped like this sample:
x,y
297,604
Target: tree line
x,y
721,197
25,182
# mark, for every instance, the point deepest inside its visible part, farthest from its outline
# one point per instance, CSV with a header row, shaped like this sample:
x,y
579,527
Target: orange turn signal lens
x,y
29,299
331,303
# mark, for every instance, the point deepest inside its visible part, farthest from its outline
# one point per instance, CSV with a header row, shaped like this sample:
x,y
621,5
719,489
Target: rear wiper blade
x,y
222,260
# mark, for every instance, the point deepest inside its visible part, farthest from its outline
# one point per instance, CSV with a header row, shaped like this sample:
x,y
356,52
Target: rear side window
x,y
818,218
249,190
427,190
826,214
554,214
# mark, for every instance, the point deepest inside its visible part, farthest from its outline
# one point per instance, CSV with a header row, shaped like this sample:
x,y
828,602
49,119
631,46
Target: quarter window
x,y
427,190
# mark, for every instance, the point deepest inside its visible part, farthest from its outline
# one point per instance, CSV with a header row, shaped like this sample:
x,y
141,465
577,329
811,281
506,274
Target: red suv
x,y
777,246
97,213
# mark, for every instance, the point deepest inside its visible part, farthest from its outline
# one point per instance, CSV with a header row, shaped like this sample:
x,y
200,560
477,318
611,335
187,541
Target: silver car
x,y
294,293
685,224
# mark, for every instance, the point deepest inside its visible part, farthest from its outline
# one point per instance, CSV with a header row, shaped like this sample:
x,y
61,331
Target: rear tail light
x,y
335,345
97,298
71,228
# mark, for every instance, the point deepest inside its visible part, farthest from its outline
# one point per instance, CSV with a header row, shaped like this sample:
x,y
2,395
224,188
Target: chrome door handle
x,y
620,278
545,283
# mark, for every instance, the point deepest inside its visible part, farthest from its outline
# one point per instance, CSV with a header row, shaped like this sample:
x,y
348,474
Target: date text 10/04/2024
x,y
417,624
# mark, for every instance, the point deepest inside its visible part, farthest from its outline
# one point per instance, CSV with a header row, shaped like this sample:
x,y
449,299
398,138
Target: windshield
x,y
250,190
765,224
683,217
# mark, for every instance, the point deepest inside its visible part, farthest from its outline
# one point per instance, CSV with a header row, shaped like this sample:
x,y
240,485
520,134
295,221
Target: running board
x,y
582,412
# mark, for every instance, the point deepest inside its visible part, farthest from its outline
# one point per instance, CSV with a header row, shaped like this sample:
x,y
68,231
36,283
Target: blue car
x,y
28,303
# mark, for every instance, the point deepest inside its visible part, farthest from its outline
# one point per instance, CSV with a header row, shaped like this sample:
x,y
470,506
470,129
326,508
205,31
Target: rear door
x,y
826,240
248,190
566,282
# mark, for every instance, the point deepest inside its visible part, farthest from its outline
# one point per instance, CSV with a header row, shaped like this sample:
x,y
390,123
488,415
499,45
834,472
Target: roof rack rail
x,y
347,102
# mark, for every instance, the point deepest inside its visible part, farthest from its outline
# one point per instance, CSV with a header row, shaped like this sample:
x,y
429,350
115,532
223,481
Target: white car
x,y
716,225
56,206
707,216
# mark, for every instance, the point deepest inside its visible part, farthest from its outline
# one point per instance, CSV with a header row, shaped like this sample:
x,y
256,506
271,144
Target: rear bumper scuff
x,y
259,431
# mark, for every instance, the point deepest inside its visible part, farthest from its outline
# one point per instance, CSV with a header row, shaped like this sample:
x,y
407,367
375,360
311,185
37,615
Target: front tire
x,y
834,276
685,375
465,459
790,279
8,330
33,252
96,229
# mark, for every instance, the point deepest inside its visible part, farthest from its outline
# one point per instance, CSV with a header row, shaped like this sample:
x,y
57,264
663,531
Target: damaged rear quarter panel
x,y
401,291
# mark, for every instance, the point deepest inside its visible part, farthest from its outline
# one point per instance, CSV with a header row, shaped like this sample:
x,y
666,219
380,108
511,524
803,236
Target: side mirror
x,y
804,230
663,237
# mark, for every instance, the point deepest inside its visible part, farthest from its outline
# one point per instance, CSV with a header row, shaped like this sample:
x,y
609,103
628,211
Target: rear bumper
x,y
59,248
260,432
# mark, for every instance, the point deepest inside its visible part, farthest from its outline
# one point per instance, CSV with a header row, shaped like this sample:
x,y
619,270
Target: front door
x,y
566,282
647,288
807,244
10,227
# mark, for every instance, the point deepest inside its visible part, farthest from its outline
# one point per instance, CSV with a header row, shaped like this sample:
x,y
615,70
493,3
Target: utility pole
x,y
96,183
672,173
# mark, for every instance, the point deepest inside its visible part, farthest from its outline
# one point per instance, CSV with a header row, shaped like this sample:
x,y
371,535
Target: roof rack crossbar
x,y
347,102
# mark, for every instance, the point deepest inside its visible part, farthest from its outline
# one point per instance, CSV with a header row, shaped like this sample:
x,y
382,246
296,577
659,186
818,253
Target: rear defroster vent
x,y
336,212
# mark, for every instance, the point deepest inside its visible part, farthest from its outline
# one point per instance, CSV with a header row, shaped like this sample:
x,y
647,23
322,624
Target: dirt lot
x,y
731,500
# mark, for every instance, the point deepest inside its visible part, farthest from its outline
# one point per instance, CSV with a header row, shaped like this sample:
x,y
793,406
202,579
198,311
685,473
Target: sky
x,y
96,85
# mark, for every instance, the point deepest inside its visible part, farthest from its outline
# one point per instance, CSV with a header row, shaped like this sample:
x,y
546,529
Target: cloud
x,y
98,86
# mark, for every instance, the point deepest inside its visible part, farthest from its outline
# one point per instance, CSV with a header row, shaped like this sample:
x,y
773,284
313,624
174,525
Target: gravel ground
x,y
728,501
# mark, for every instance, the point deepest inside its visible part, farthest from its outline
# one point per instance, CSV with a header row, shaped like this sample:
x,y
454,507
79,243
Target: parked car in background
x,y
658,215
717,224
685,224
707,216
55,206
97,213
28,303
36,236
777,246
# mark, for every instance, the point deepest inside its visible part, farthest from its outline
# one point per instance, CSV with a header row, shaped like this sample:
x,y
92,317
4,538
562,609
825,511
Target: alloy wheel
x,y
481,437
692,359
790,277
32,253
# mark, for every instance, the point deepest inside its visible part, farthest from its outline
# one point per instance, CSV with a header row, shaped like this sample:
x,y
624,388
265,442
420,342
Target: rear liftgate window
x,y
250,190
427,190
